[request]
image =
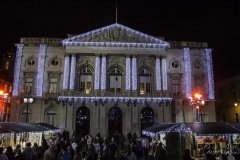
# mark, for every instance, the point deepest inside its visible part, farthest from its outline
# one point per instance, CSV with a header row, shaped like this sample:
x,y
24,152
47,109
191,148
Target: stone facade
x,y
113,78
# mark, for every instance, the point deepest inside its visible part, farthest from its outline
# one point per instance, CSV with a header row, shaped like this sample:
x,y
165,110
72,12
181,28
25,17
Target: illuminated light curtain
x,y
72,71
187,72
211,94
40,69
103,73
158,74
164,74
66,72
17,68
134,73
128,73
97,72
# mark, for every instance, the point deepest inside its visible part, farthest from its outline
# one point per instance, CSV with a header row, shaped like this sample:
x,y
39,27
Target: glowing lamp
x,y
197,107
197,95
1,92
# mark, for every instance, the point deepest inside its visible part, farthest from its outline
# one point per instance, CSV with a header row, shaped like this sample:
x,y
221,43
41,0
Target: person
x,y
9,153
28,152
65,154
2,155
18,155
36,151
186,155
130,155
49,153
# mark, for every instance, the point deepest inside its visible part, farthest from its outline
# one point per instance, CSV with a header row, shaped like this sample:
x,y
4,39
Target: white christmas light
x,y
103,73
158,74
128,73
134,73
97,72
19,52
81,40
40,69
187,73
66,72
210,74
164,74
73,71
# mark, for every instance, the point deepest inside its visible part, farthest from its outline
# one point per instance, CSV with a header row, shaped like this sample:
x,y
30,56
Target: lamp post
x,y
197,102
27,100
236,104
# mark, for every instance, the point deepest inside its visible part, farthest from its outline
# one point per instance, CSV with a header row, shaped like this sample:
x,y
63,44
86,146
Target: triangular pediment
x,y
116,34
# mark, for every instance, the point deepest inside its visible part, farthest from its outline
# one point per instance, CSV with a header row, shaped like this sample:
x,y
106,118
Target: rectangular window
x,y
7,65
145,84
198,82
115,83
28,84
175,87
53,85
85,83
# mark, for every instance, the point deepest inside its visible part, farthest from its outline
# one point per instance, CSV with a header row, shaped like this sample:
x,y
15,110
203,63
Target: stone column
x,y
40,70
128,73
72,72
210,80
97,73
187,72
103,73
66,72
17,69
134,73
158,74
164,74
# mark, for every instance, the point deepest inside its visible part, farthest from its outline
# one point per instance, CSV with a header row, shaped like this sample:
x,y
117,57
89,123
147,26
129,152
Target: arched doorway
x,y
114,121
147,118
82,121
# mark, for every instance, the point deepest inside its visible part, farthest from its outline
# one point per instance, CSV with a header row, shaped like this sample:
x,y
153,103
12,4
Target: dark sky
x,y
215,22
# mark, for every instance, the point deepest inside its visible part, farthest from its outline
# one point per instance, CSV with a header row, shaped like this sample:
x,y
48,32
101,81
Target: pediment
x,y
117,35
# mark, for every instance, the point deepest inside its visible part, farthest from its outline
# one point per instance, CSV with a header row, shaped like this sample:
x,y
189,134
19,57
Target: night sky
x,y
187,20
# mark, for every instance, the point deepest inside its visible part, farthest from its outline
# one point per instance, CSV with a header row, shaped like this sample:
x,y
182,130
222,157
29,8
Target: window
x,y
31,61
198,81
25,113
50,117
115,78
53,85
54,62
86,78
175,64
175,87
145,81
28,84
7,65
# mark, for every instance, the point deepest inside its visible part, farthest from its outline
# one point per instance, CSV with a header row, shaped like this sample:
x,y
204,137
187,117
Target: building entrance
x,y
82,121
114,121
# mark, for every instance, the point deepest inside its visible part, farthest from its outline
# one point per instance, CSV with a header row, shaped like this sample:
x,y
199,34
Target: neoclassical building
x,y
112,79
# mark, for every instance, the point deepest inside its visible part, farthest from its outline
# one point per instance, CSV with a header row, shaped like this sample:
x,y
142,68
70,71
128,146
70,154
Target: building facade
x,y
112,79
228,100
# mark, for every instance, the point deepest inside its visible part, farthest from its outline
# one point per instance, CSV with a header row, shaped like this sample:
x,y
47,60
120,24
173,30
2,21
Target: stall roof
x,y
199,128
48,126
7,127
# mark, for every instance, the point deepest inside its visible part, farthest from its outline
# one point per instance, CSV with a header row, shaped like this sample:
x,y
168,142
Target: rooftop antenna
x,y
116,12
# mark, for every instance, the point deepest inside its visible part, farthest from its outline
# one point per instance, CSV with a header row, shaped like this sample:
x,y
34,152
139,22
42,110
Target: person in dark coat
x,y
186,155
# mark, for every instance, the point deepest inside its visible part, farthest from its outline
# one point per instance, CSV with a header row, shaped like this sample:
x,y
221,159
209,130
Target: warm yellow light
x,y
1,92
197,95
235,104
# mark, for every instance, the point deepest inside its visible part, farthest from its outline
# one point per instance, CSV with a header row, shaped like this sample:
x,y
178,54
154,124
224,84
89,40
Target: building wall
x,y
65,113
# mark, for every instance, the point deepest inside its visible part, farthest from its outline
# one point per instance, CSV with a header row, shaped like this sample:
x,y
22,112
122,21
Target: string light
x,y
164,74
128,73
188,72
103,73
97,73
134,73
73,71
17,67
40,69
158,73
210,74
66,72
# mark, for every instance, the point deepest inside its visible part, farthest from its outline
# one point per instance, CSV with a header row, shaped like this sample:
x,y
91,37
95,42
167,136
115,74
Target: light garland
x,y
210,74
158,74
188,72
134,73
73,71
81,40
40,69
143,100
66,72
17,68
164,74
103,73
97,73
128,73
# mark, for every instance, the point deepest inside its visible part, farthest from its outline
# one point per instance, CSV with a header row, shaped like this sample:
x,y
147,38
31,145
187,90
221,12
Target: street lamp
x,y
4,100
27,100
197,102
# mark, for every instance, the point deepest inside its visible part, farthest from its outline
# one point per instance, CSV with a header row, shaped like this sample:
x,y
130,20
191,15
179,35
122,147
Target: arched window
x,y
25,118
50,117
145,86
82,121
147,117
86,80
115,78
